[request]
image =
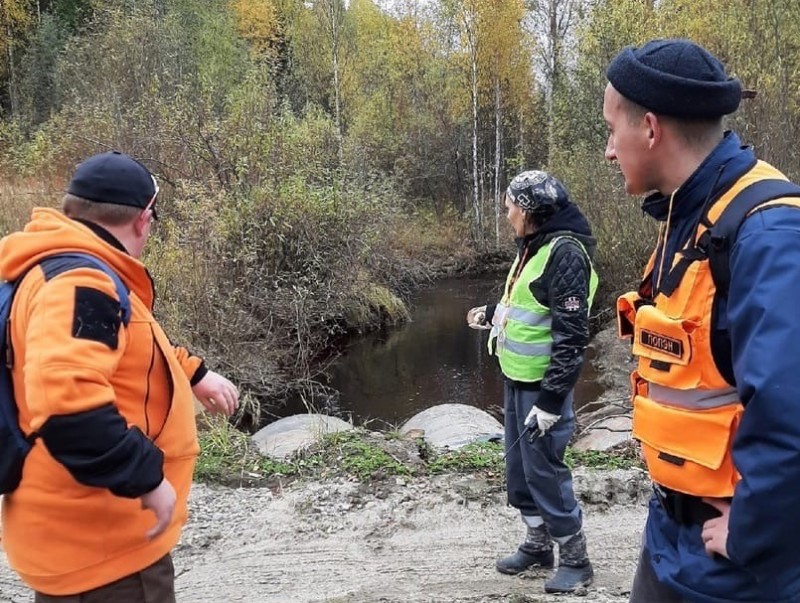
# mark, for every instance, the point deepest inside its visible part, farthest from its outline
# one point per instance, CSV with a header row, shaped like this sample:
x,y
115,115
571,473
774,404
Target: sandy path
x,y
427,541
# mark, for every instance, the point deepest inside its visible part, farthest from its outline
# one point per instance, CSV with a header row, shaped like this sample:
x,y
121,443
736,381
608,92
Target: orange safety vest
x,y
685,413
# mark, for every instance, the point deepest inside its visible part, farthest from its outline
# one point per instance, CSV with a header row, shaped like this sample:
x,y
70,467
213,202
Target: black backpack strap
x,y
718,241
671,281
54,265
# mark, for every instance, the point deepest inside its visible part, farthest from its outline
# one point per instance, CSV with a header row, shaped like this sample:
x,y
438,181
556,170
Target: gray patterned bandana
x,y
534,190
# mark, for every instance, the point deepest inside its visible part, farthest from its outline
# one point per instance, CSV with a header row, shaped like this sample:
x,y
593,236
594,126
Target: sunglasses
x,y
151,204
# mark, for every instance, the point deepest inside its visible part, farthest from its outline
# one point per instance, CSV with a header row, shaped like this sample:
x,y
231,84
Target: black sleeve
x,y
99,450
201,372
490,308
566,280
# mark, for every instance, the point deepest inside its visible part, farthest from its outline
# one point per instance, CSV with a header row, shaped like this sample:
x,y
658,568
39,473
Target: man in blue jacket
x,y
716,328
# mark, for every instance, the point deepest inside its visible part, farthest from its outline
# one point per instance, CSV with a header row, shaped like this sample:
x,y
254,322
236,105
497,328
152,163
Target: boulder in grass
x,y
605,434
281,439
454,425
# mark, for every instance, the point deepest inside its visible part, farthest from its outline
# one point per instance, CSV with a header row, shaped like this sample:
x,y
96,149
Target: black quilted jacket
x,y
564,288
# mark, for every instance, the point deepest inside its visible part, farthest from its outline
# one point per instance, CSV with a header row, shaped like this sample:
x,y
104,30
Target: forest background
x,y
320,159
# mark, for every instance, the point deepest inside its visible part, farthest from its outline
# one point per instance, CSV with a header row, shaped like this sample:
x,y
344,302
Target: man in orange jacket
x,y
714,324
110,404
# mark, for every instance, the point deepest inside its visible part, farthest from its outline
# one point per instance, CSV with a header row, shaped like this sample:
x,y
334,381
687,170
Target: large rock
x,y
605,434
284,437
453,425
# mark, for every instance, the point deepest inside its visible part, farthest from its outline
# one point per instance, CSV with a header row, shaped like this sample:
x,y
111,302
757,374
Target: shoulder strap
x,y
718,241
14,444
63,262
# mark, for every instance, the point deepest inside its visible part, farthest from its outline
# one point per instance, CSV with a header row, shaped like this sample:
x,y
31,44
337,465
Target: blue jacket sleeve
x,y
764,325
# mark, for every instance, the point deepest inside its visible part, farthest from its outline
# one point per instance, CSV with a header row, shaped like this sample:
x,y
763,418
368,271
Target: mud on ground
x,y
428,540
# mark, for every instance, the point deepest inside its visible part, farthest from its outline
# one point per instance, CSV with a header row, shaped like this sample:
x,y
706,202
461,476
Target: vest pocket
x,y
666,349
688,450
626,313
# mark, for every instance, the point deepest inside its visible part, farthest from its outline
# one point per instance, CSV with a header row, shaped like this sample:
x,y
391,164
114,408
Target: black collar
x,y
102,233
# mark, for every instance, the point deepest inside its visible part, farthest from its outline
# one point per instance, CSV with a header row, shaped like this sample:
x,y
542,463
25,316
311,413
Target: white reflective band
x,y
503,312
499,315
531,319
694,399
525,349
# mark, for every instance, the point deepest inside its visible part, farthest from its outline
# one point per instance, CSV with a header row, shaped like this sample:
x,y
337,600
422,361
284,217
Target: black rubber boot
x,y
574,569
536,551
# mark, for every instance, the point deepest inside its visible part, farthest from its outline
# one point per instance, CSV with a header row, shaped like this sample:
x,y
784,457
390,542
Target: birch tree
x,y
330,14
507,73
468,18
552,23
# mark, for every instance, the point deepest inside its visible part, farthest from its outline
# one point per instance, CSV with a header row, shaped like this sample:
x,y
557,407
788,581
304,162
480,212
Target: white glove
x,y
543,419
476,318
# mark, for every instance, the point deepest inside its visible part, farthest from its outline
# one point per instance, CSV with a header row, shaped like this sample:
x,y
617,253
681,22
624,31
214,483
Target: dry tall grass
x,y
17,199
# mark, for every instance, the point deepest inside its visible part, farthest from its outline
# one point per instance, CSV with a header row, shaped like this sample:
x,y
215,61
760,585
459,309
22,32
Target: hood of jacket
x,y
569,220
50,232
728,162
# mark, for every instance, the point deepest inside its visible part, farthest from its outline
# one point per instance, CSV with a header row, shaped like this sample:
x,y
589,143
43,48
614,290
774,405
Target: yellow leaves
x,y
16,17
257,22
505,55
16,14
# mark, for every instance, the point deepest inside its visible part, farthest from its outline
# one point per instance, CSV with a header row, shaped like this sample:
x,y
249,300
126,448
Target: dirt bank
x,y
426,540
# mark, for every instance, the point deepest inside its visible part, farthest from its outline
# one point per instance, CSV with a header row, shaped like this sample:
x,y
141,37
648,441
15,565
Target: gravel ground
x,y
425,540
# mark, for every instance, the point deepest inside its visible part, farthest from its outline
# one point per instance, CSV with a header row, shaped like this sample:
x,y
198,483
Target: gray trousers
x,y
646,587
539,483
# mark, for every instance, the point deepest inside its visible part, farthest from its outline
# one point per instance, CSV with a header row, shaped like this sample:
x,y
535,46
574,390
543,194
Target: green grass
x,y
228,456
361,457
626,458
480,456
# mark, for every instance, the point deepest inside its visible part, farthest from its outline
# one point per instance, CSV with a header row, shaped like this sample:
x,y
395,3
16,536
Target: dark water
x,y
436,358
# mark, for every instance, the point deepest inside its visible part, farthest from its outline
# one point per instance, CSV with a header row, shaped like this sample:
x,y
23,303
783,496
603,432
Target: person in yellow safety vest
x,y
539,332
715,327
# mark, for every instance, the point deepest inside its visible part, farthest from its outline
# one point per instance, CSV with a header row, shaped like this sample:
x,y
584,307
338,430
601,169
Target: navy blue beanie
x,y
675,77
113,177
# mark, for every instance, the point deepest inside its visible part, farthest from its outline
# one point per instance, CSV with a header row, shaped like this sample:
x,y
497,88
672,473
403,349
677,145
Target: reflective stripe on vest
x,y
532,319
693,399
521,335
685,413
527,349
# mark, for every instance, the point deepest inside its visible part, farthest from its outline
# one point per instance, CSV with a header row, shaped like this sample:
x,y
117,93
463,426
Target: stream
x,y
434,359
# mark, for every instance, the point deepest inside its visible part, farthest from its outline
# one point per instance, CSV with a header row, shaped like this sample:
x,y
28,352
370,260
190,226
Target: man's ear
x,y
142,221
654,128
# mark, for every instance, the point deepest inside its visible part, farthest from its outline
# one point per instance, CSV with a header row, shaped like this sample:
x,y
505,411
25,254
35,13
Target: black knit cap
x,y
675,77
113,177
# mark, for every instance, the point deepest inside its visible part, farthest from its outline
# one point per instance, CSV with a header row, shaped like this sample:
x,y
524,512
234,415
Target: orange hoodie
x,y
61,536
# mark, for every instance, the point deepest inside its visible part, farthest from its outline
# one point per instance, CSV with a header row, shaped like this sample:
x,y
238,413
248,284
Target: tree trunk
x,y
12,73
554,61
331,22
498,124
475,195
336,93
